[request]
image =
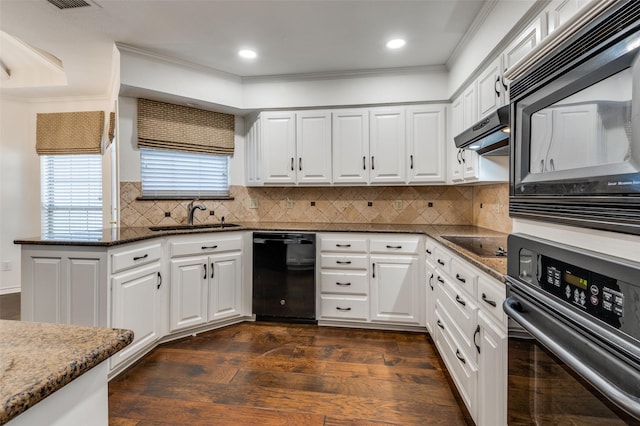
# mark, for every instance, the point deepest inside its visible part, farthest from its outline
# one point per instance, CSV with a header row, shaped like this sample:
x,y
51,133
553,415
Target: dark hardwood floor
x,y
287,374
10,306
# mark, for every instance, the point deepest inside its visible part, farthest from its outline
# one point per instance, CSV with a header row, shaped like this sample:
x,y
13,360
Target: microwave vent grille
x,y
626,17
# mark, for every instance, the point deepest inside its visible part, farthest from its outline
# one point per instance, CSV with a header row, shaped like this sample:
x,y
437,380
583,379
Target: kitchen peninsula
x,y
55,374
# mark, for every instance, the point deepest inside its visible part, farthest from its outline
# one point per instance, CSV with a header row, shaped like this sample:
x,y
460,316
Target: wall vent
x,y
68,4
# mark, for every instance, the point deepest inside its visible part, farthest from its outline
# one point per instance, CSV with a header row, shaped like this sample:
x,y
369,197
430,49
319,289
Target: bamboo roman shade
x,y
181,128
63,133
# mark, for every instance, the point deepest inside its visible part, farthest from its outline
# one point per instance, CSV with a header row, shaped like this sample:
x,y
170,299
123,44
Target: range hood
x,y
490,136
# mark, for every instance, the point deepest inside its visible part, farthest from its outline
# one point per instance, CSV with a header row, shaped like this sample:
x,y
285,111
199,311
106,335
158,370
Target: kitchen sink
x,y
190,227
481,246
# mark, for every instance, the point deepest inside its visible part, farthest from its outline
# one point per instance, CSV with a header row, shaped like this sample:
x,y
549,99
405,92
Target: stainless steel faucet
x,y
191,208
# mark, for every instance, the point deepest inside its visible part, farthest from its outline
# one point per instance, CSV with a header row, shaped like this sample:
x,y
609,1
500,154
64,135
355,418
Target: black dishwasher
x,y
284,286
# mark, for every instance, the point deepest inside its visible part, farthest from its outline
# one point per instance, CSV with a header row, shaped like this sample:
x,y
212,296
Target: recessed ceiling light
x,y
248,54
396,43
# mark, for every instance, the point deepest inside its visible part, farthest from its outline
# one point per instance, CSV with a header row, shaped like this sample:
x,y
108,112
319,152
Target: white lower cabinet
x,y
395,289
225,286
468,326
189,280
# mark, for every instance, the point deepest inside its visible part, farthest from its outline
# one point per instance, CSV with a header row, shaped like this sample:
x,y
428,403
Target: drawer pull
x,y
460,300
343,262
343,284
440,324
441,262
343,245
159,281
431,282
393,247
141,257
461,279
488,301
208,247
440,280
342,309
464,361
429,251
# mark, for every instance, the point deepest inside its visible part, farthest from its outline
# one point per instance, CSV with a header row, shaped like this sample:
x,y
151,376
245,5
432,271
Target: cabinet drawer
x,y
462,312
430,248
343,261
208,245
344,282
464,275
352,308
395,245
139,255
343,243
442,259
491,295
463,370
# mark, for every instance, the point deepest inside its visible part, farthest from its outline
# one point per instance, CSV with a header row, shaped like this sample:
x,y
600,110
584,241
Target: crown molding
x,y
471,32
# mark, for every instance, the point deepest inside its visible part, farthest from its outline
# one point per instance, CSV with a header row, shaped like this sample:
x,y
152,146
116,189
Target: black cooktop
x,y
481,246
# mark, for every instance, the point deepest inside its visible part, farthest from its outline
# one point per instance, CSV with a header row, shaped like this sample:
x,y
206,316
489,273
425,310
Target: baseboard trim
x,y
9,290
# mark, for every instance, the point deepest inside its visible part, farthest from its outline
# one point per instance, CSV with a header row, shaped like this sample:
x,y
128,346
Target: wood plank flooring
x,y
288,374
10,306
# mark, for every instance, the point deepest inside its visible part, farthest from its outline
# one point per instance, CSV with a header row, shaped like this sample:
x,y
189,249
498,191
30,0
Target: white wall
x,y
19,186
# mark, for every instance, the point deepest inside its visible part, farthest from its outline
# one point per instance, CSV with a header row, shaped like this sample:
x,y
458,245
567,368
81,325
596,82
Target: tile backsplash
x,y
447,205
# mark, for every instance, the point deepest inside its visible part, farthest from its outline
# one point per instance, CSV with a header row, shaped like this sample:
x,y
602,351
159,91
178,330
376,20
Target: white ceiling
x,y
290,36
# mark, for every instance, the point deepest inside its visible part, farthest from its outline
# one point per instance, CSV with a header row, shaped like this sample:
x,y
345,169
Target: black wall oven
x,y
574,335
576,128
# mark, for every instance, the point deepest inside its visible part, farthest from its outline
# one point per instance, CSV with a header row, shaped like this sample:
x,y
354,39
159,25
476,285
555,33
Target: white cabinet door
x,y
313,141
395,289
189,278
86,292
135,306
350,145
278,140
525,42
432,276
490,89
225,286
456,170
253,152
469,118
492,373
560,11
387,145
426,145
42,294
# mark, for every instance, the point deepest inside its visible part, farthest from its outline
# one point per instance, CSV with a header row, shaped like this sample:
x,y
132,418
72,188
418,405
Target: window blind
x,y
175,174
62,133
71,195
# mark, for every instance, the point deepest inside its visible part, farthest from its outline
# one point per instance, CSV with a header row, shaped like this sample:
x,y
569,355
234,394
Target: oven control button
x,y
607,296
594,289
619,300
583,298
618,310
607,305
556,283
567,291
594,300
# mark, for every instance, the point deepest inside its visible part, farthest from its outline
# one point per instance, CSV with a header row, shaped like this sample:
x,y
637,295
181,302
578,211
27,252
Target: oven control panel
x,y
596,294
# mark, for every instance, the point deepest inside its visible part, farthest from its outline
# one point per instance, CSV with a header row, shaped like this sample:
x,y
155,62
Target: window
x,y
179,174
71,195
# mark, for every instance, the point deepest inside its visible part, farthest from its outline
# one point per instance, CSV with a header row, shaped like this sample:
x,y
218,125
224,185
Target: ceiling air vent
x,y
68,4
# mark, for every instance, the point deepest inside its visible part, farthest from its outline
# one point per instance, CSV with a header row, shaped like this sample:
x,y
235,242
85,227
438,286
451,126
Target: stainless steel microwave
x,y
575,155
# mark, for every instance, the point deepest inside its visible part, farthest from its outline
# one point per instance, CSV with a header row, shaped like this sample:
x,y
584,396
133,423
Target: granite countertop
x,y
37,359
495,266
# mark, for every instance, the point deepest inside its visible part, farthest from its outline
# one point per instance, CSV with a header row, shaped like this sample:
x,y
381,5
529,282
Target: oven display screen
x,y
575,280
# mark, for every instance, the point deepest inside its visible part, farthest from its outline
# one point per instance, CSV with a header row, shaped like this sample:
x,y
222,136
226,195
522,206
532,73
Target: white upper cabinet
x,y
470,159
351,146
560,11
313,147
491,92
387,145
426,151
525,42
455,155
278,147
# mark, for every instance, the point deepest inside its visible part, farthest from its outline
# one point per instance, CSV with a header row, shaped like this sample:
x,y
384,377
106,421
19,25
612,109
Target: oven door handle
x,y
518,309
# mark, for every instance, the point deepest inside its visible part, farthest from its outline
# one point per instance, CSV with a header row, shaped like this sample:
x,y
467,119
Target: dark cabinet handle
x,y
374,270
343,262
459,156
440,280
496,86
343,245
212,269
364,163
141,257
411,158
464,361
205,271
488,301
476,333
428,251
159,280
440,324
300,163
431,282
462,151
461,279
373,167
209,247
441,262
460,300
394,247
291,163
342,309
343,284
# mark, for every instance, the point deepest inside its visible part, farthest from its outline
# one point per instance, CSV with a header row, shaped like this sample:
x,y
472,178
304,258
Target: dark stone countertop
x,y
37,359
108,237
